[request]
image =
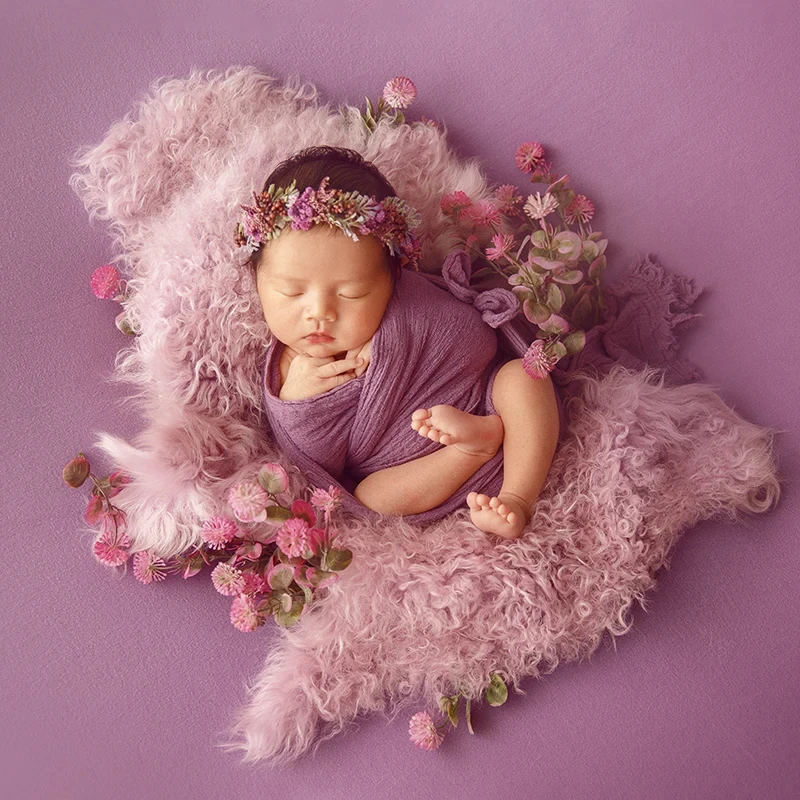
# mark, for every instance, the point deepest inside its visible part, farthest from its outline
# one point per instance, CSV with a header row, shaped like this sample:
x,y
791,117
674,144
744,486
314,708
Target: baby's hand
x,y
308,376
361,352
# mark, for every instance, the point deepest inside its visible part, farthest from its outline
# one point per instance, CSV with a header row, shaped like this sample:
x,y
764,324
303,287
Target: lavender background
x,y
679,120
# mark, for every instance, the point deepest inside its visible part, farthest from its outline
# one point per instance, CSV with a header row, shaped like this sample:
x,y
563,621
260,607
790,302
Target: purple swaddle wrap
x,y
436,344
430,348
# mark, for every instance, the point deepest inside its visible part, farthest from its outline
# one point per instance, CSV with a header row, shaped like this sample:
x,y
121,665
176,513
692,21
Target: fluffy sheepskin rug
x,y
420,612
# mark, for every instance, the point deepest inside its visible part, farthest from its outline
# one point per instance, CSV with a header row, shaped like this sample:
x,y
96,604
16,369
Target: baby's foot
x,y
505,515
467,432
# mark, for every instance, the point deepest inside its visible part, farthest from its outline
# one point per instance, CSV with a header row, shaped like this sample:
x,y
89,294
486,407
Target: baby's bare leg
x,y
421,484
529,410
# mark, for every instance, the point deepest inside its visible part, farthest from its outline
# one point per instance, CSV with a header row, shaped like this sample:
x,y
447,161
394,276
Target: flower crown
x,y
391,220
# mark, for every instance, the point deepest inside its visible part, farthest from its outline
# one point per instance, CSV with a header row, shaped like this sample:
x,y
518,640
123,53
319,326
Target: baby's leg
x,y
421,484
529,410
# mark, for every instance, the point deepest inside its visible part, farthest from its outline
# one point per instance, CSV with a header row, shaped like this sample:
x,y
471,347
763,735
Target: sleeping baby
x,y
374,373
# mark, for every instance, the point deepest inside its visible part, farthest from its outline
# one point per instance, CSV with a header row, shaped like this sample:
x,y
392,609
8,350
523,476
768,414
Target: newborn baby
x,y
323,297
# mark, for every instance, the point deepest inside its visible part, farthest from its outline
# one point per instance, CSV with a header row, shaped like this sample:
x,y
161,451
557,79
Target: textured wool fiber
x,y
422,609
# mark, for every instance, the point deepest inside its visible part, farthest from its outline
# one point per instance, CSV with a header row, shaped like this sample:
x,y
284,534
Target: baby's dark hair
x,y
348,171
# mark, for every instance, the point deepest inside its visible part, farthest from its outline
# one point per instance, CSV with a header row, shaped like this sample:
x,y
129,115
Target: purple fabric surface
x,y
429,348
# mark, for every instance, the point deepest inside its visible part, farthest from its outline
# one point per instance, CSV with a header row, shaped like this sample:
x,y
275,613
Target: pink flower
x,y
536,362
485,213
244,615
227,580
507,198
293,537
111,550
253,583
528,156
581,208
431,123
105,281
218,531
328,500
502,244
456,203
148,567
399,92
423,731
248,501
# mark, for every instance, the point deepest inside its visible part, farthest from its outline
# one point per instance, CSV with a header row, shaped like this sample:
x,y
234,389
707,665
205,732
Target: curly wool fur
x,y
421,611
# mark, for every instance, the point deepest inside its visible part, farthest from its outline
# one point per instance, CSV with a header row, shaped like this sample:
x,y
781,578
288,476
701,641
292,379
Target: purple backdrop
x,y
679,120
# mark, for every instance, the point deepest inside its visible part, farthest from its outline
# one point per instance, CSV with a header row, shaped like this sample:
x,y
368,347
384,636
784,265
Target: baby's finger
x,y
337,367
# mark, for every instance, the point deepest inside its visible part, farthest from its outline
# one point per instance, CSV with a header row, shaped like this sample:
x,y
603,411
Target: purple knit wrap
x,y
430,348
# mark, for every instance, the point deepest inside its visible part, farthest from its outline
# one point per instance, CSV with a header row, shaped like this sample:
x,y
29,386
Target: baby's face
x,y
321,280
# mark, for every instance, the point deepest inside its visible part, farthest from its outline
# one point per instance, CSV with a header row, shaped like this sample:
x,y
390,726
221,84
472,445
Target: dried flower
x,y
423,732
399,92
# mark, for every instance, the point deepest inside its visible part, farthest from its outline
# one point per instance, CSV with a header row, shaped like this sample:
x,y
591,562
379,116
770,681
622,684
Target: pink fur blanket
x,y
642,460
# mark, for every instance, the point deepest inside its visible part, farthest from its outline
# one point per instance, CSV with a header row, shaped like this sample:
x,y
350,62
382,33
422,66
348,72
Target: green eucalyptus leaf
x,y
555,297
288,618
278,514
338,559
575,341
452,713
597,268
496,693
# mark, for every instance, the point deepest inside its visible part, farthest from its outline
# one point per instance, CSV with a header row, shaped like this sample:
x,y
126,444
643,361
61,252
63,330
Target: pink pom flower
x,y
244,614
399,92
148,567
105,281
528,156
328,500
502,244
456,203
536,362
254,583
248,501
112,550
227,580
485,212
423,732
292,538
507,198
580,209
218,531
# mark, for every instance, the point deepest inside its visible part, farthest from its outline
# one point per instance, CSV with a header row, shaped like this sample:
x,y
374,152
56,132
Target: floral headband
x,y
391,220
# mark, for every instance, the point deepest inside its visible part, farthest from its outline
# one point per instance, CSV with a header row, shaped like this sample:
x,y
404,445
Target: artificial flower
x,y
424,732
399,92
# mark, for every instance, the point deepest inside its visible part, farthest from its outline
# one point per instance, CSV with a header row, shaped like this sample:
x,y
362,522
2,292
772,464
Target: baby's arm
x,y
420,484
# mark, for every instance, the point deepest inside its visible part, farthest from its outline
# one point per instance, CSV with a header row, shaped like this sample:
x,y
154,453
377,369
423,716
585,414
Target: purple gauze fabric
x,y
443,350
429,348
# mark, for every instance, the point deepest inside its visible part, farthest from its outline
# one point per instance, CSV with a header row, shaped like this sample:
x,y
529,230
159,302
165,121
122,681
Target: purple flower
x,y
301,212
